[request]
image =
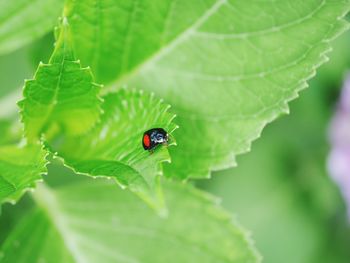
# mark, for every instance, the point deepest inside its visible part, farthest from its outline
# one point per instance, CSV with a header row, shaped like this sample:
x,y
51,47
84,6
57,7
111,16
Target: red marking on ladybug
x,y
154,137
146,140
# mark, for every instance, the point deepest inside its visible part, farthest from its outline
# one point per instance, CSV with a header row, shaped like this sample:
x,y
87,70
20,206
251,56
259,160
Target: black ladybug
x,y
153,137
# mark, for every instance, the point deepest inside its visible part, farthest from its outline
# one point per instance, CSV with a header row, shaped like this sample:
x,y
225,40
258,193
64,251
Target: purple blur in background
x,y
339,158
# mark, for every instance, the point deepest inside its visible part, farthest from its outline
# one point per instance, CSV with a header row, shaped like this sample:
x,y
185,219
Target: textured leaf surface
x,y
113,148
20,168
97,222
227,67
23,21
61,95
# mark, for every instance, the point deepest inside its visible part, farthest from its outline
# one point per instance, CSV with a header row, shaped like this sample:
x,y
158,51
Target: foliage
x,y
226,67
95,221
20,168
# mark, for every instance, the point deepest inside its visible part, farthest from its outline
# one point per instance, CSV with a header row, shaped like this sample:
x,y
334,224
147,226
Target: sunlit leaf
x,y
227,67
97,222
114,147
62,94
20,168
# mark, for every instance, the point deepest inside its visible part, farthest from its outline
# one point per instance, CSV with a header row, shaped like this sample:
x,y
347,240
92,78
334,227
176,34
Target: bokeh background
x,y
281,191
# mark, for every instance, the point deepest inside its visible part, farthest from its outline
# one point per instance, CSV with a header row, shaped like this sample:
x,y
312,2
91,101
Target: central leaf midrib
x,y
167,48
51,107
122,79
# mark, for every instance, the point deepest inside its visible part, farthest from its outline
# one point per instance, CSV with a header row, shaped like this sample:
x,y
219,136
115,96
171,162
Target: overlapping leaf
x,y
20,168
113,147
62,94
97,222
228,67
23,21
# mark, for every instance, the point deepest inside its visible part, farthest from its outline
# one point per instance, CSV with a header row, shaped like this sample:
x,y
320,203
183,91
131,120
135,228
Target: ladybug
x,y
154,137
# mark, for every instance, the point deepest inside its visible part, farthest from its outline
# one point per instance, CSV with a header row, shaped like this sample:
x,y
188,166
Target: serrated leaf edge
x,y
31,187
284,108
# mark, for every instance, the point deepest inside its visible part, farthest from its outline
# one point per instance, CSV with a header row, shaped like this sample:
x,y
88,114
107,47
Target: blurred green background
x,y
280,191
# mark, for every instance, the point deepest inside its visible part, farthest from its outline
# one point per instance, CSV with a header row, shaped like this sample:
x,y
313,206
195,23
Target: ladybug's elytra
x,y
153,137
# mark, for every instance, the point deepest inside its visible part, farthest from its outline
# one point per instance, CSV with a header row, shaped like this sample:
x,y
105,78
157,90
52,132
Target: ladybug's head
x,y
159,137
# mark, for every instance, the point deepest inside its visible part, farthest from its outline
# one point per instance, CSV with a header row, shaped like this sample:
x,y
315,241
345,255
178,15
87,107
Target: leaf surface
x,y
20,168
113,148
227,67
97,222
62,94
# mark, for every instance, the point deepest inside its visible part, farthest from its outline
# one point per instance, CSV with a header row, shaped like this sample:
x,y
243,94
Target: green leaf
x,y
113,148
97,222
62,94
227,67
20,168
23,21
